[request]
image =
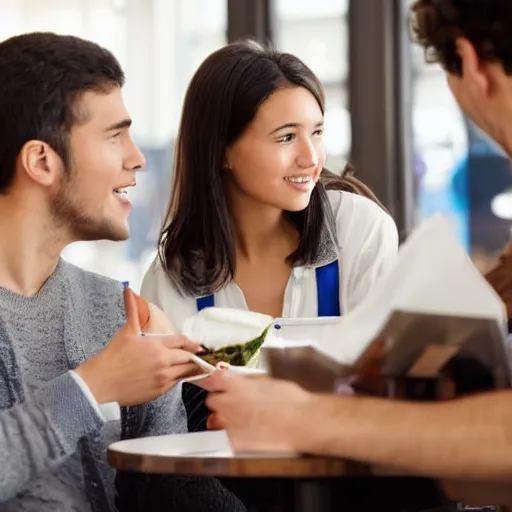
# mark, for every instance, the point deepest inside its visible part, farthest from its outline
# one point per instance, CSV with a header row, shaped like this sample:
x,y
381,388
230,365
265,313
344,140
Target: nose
x,y
135,160
308,154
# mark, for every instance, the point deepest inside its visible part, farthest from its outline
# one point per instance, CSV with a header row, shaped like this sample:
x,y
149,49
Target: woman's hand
x,y
152,319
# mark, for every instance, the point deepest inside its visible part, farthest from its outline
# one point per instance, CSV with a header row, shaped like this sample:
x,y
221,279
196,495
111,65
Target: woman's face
x,y
278,158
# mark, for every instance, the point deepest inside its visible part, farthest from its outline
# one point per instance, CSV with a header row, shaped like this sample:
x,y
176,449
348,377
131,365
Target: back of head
x,y
43,76
437,24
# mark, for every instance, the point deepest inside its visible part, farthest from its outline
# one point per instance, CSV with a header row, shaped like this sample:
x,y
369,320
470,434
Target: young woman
x,y
252,223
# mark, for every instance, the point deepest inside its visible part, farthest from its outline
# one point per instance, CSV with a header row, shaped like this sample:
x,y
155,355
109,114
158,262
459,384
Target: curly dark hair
x,y
436,25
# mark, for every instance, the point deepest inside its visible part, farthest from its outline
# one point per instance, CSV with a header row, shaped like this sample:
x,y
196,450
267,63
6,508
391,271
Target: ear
x,y
40,162
473,72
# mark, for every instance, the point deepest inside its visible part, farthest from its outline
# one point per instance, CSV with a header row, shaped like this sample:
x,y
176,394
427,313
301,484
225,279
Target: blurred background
x,y
388,112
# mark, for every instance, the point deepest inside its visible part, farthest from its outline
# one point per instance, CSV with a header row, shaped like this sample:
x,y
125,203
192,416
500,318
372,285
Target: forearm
x,y
466,438
39,435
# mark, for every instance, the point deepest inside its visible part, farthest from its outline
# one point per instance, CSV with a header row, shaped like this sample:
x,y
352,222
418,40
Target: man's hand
x,y
259,413
133,369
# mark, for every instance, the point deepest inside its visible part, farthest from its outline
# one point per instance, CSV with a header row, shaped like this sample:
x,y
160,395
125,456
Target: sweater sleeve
x,y
42,433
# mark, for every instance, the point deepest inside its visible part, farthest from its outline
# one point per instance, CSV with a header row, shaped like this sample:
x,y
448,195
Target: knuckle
x,y
211,402
160,361
161,378
178,342
174,357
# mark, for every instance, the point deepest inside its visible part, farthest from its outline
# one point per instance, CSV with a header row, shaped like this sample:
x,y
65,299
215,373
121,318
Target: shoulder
x,y
91,283
158,289
97,298
156,283
358,217
350,205
155,270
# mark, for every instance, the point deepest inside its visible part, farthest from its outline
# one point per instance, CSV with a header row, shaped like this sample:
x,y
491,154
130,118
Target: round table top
x,y
240,465
208,457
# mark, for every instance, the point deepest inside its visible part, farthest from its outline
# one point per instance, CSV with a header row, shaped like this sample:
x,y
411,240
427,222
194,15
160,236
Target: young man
x,y
465,438
68,355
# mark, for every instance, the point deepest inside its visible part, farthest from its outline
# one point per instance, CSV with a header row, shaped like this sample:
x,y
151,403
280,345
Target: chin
x,y
296,206
119,236
116,230
118,233
104,231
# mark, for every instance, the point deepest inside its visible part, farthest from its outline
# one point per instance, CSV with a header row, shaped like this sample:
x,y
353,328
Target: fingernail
x,y
126,284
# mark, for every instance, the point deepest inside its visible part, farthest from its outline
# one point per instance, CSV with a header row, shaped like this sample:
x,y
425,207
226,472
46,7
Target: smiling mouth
x,y
298,179
121,192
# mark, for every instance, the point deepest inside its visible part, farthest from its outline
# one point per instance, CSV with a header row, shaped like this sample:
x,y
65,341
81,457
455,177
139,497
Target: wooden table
x,y
307,475
291,482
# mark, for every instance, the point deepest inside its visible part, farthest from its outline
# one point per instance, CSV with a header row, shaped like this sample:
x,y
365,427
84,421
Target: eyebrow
x,y
293,125
125,123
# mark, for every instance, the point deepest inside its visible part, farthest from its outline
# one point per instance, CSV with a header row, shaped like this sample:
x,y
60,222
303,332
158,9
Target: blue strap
x,y
328,290
327,286
205,302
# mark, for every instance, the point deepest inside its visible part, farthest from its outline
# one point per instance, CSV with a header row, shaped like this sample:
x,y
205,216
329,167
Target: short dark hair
x,y
42,78
436,25
197,247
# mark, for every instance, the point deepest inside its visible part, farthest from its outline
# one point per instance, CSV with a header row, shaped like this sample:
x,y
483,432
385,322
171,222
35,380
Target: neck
x,y
502,132
507,142
499,116
31,245
261,230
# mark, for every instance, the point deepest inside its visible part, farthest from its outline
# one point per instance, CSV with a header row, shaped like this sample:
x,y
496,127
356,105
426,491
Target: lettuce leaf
x,y
239,354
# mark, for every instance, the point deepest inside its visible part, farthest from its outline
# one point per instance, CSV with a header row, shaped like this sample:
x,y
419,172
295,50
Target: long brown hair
x,y
348,183
197,247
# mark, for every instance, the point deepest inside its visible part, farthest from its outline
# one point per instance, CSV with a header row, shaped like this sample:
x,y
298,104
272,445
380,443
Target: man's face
x,y
89,200
483,92
472,102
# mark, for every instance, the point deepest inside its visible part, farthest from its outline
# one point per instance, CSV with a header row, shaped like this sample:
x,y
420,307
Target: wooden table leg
x,y
311,495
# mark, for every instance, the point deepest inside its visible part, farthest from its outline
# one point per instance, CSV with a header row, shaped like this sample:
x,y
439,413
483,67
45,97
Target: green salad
x,y
241,354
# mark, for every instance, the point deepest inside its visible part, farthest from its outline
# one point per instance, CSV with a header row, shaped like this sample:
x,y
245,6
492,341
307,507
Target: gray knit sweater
x,y
52,441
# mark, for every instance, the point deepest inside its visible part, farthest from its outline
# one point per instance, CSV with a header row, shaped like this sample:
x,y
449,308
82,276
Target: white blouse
x,y
368,244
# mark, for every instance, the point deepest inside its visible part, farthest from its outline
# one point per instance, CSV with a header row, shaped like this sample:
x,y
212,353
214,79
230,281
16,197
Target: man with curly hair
x,y
466,438
471,41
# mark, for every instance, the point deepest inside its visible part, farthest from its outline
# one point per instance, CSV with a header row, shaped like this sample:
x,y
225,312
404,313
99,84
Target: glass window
x,y
159,43
317,33
459,171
